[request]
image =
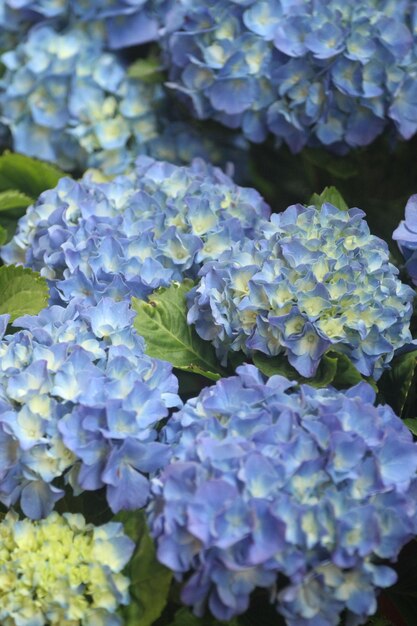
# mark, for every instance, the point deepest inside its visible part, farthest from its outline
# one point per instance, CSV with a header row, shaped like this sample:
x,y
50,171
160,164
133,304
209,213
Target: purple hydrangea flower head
x,y
406,237
79,399
311,72
297,490
136,233
317,280
66,99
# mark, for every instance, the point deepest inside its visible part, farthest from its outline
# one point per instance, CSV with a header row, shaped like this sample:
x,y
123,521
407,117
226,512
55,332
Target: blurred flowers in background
x,y
323,72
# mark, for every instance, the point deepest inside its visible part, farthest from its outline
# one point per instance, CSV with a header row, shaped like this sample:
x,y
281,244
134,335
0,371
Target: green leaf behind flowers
x,y
150,581
411,424
340,167
13,199
3,235
148,70
162,321
332,195
27,175
396,385
335,368
22,180
184,617
22,291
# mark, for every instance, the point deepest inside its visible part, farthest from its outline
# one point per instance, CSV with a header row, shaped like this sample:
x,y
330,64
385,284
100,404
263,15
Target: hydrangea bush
x,y
302,491
134,234
323,72
232,394
61,571
317,279
79,399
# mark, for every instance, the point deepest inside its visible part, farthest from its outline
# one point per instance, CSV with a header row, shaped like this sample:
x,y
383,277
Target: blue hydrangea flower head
x,y
317,280
79,399
136,233
301,491
124,22
18,16
58,96
61,571
67,100
406,237
311,72
128,22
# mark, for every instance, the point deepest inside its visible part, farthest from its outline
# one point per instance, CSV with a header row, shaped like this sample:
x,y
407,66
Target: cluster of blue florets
x,y
317,280
18,16
124,22
80,399
128,22
65,99
135,234
406,237
311,72
270,480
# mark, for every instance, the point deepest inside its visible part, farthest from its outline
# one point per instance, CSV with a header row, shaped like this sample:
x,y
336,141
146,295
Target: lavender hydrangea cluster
x,y
135,234
406,237
312,72
300,491
317,280
79,404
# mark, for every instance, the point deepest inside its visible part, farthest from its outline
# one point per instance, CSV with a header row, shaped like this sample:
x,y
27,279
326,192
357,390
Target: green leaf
x,y
411,424
341,167
279,365
346,374
3,235
22,291
150,581
397,383
184,617
163,323
14,200
147,70
329,194
27,175
334,368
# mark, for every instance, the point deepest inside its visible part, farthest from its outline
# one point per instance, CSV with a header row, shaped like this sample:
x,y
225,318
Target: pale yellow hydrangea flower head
x,y
61,571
